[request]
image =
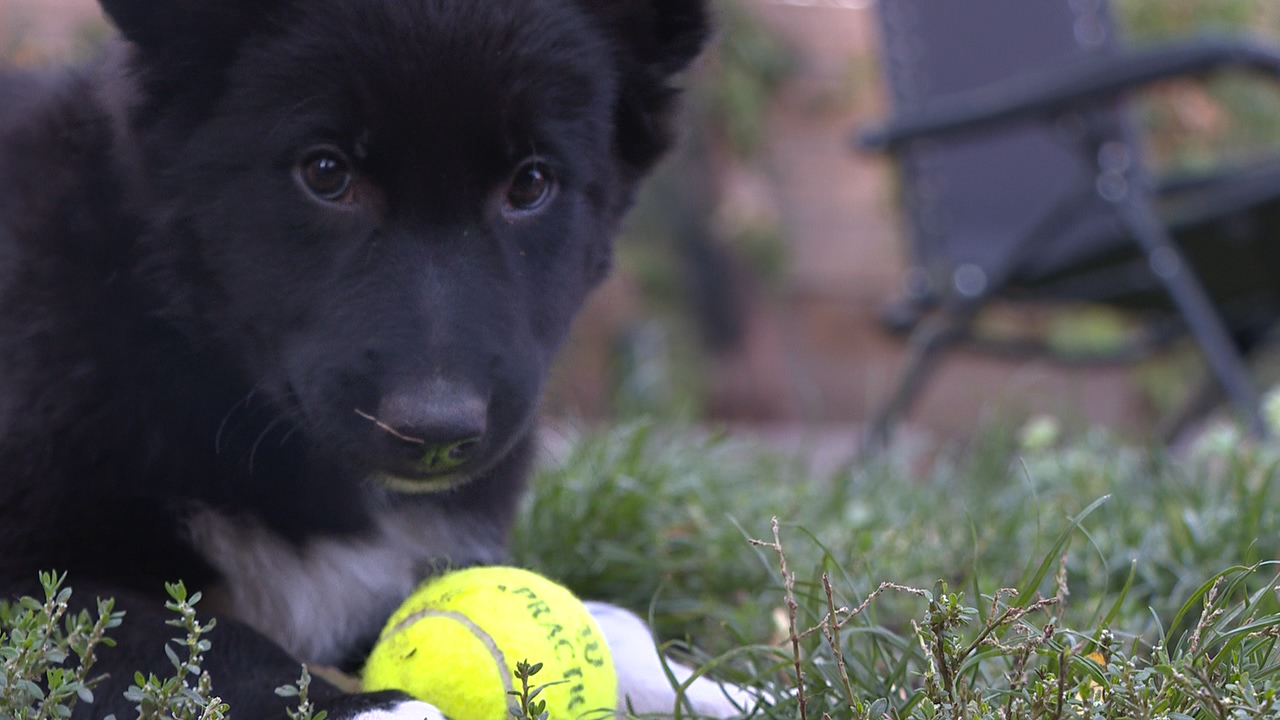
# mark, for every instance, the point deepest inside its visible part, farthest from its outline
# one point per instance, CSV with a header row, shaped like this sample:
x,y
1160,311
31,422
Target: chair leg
x,y
925,347
1171,267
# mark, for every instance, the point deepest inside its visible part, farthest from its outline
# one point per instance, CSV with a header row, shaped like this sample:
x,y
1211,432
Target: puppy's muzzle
x,y
428,433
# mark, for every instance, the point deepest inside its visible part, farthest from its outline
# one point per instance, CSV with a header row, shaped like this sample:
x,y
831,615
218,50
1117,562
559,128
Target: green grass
x,y
1113,550
1013,578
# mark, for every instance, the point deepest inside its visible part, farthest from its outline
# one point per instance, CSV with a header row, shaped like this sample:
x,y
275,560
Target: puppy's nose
x,y
433,430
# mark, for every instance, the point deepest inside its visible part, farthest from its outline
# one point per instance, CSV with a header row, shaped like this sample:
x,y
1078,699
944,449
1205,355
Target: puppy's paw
x,y
643,685
382,706
410,710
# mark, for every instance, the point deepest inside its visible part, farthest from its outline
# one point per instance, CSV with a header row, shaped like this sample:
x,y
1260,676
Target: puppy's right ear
x,y
171,30
653,40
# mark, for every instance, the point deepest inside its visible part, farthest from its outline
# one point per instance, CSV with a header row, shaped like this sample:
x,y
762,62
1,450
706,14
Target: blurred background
x,y
753,275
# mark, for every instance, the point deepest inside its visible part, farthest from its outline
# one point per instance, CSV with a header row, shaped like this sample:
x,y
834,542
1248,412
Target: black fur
x,y
188,333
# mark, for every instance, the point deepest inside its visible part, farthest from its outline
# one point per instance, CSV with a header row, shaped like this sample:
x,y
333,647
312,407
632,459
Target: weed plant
x,y
47,652
47,655
1016,578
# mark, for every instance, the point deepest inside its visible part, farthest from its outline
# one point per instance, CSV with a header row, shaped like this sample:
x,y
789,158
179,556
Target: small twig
x,y
789,585
832,632
938,648
1060,579
876,593
931,676
1207,698
997,596
389,429
1009,616
850,614
1062,684
1207,617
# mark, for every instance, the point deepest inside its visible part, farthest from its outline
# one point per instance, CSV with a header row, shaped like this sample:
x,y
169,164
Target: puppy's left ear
x,y
654,40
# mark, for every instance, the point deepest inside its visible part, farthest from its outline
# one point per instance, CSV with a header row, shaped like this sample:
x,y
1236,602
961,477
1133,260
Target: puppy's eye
x,y
326,174
531,187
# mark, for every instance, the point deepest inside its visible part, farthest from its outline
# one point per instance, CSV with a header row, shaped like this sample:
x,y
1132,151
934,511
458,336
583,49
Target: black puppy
x,y
280,281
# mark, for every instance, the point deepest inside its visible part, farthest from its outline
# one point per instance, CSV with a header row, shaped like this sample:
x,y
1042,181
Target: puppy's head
x,y
388,211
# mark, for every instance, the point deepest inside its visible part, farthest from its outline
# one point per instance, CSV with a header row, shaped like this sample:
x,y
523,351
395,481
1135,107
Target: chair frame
x,y
1081,91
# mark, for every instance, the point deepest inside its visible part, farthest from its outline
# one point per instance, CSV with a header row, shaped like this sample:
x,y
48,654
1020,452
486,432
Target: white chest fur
x,y
320,598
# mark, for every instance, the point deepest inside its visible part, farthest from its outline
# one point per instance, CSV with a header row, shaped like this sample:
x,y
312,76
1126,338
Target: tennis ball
x,y
456,640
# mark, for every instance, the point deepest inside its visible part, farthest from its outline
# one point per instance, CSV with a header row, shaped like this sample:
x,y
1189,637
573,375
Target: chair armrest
x,y
1044,94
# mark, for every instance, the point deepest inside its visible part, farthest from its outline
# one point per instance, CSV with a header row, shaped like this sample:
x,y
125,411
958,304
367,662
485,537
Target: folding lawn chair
x,y
1020,179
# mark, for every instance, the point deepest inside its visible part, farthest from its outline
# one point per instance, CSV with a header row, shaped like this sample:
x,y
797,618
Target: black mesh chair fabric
x,y
1020,178
974,201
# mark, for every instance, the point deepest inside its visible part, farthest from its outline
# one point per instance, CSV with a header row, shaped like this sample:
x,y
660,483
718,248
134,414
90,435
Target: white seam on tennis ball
x,y
495,652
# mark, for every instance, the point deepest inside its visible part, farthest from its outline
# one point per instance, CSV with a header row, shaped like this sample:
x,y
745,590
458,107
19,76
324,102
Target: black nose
x,y
431,430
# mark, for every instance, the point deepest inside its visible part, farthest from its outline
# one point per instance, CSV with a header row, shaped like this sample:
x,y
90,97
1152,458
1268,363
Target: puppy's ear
x,y
654,40
171,30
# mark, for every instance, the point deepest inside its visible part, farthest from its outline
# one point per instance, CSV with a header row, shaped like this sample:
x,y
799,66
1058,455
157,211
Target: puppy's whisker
x,y
292,112
289,433
237,417
222,426
387,428
253,451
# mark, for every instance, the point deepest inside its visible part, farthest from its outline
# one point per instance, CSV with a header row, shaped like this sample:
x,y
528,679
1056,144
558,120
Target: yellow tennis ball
x,y
456,640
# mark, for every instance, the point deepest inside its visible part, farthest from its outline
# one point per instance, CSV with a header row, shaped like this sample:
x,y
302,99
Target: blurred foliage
x,y
689,245
739,79
1230,118
1088,330
1153,20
